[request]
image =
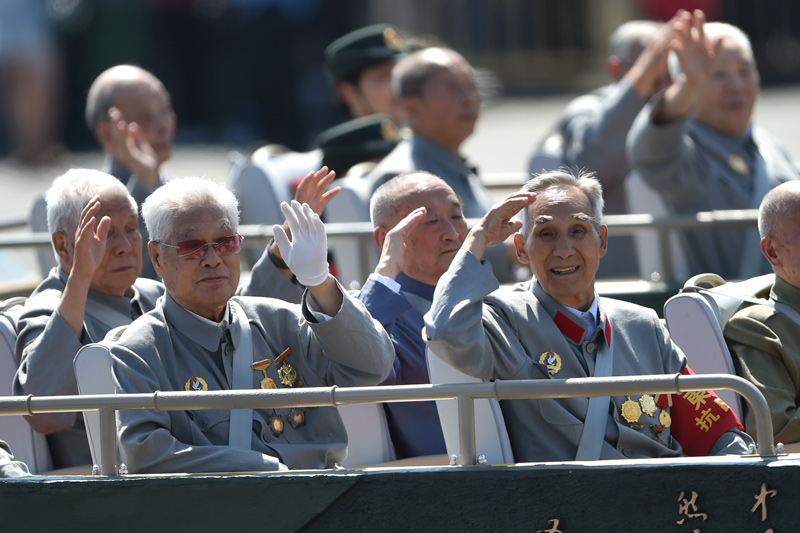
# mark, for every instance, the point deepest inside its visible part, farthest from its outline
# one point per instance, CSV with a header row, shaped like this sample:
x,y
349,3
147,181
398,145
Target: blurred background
x,y
246,72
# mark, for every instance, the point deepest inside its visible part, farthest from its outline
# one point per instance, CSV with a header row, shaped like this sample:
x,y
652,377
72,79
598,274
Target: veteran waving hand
x,y
555,326
200,337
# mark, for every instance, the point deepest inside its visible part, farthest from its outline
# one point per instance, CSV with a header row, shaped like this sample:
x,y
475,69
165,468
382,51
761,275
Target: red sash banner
x,y
699,418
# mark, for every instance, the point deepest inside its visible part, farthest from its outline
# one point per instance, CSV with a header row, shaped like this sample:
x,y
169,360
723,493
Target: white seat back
x,y
693,323
642,199
491,436
696,321
93,372
368,439
28,446
37,222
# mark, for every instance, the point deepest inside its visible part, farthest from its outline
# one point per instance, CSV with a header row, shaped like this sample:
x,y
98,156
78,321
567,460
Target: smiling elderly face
x,y
563,247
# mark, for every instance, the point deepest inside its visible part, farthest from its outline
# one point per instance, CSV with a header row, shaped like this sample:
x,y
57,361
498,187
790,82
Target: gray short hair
x,y
630,37
779,204
387,199
179,195
71,192
561,179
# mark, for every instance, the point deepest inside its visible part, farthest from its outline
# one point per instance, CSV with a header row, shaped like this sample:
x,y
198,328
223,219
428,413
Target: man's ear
x,y
156,257
379,234
519,247
64,248
770,252
410,108
603,232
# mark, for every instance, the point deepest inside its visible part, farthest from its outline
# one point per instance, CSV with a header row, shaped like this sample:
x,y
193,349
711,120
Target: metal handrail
x,y
363,232
464,393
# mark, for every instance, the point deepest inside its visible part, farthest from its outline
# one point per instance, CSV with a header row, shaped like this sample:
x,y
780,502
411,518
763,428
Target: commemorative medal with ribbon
x,y
553,362
286,372
196,383
267,382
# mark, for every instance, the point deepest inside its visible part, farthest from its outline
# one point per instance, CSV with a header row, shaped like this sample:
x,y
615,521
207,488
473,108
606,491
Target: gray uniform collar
x,y
202,332
127,306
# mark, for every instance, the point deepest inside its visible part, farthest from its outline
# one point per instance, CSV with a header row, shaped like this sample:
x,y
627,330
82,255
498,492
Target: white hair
x,y
71,192
561,179
178,196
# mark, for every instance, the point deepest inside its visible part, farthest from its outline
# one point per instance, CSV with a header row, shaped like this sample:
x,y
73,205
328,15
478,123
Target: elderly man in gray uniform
x,y
555,326
697,145
130,112
94,225
201,338
441,104
592,129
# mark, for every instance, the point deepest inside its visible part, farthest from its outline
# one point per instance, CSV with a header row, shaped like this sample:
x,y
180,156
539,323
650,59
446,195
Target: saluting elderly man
x,y
555,326
199,337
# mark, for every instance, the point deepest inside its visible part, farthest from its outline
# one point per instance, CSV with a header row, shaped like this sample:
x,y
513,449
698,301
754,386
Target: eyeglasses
x,y
196,248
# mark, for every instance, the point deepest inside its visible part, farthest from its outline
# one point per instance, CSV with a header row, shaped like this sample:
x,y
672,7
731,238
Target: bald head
x,y
438,95
779,205
108,87
395,199
431,236
140,99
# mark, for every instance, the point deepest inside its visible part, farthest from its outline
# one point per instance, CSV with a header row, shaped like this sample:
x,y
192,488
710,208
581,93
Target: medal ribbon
x,y
241,425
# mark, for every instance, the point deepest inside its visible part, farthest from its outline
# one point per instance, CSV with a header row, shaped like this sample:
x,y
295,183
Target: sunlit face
x,y
726,101
433,243
563,247
202,285
149,105
122,262
448,109
374,92
787,250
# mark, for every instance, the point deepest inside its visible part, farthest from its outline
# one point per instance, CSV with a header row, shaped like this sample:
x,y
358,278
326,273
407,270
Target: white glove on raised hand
x,y
306,254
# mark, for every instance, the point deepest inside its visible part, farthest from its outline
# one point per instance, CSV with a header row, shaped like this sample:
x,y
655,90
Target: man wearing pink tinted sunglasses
x,y
97,286
200,336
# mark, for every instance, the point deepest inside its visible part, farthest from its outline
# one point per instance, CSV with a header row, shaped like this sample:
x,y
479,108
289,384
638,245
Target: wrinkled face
x,y
449,107
563,247
727,99
122,262
433,243
148,105
374,91
787,250
202,285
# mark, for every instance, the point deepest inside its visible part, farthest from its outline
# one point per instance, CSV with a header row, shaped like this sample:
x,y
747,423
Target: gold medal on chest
x,y
553,362
631,411
648,404
665,419
196,384
738,164
267,382
286,372
276,425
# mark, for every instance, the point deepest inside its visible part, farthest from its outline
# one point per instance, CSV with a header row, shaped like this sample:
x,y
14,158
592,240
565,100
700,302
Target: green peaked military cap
x,y
358,140
350,54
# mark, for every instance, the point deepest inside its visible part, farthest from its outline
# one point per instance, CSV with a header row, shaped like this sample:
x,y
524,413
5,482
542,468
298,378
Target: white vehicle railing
x,y
617,225
464,393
